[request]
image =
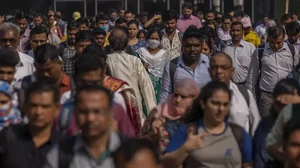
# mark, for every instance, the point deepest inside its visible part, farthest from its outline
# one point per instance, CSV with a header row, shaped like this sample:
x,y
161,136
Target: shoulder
x,y
204,58
24,58
65,96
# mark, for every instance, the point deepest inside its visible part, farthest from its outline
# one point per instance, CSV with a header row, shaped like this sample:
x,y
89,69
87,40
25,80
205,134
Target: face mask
x,y
153,44
105,27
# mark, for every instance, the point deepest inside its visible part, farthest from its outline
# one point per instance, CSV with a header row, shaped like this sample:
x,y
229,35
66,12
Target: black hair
x,y
112,10
133,22
196,113
142,31
237,23
222,54
144,14
95,49
187,5
84,35
46,52
191,32
158,13
210,11
8,58
128,11
94,88
99,31
21,15
208,31
101,16
225,17
285,17
169,15
151,31
290,127
276,32
89,61
239,13
238,8
121,20
199,12
41,87
72,25
82,21
286,86
40,29
292,28
37,15
129,148
209,22
206,39
118,42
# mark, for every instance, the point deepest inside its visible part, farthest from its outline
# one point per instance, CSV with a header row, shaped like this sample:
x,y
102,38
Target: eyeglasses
x,y
222,67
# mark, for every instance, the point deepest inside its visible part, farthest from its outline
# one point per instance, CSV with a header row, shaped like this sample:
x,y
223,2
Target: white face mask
x,y
153,44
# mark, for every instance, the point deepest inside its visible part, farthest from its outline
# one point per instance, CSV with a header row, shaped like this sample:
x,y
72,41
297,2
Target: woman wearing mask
x,y
165,118
283,87
210,141
53,28
134,42
154,59
223,31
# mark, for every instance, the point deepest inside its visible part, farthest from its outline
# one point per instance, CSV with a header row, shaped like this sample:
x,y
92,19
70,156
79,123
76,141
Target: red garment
x,y
65,84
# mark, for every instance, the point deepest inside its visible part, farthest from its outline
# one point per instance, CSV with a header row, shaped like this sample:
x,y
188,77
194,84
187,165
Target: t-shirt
x,y
219,151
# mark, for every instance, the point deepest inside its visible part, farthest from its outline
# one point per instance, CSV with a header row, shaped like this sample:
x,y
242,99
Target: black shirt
x,y
17,149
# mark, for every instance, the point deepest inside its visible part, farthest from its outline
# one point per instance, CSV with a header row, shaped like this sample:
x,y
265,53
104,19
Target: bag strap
x,y
261,50
66,153
292,49
172,70
61,48
238,134
243,89
65,116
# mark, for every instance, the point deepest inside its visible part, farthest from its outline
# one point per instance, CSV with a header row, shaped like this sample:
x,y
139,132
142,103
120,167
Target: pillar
x,y
238,2
217,5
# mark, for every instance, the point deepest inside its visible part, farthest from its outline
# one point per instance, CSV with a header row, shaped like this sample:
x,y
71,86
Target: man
x,y
112,14
76,15
191,64
261,28
83,24
121,22
143,18
93,147
102,21
249,35
293,33
8,63
37,19
99,35
26,145
59,22
172,37
240,52
210,15
128,16
83,38
38,36
291,144
277,60
50,12
67,48
21,21
243,109
130,69
121,12
1,18
10,38
137,153
187,19
155,21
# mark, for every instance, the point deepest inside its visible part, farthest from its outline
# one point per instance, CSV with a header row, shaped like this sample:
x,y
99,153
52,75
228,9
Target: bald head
x,y
221,68
118,39
222,54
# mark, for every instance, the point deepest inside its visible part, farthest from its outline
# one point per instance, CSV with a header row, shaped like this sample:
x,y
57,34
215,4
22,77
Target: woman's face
x,y
133,30
226,24
155,36
206,49
216,108
142,37
182,101
51,20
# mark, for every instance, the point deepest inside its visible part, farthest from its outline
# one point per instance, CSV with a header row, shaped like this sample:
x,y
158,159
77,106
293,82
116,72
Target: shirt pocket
x,y
245,61
285,62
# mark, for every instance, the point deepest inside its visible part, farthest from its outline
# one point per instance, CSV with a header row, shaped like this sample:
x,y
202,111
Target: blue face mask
x,y
106,27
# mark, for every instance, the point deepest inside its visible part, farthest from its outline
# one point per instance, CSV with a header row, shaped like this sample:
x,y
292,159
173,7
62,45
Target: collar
x,y
26,33
203,60
242,43
284,47
183,18
55,136
165,33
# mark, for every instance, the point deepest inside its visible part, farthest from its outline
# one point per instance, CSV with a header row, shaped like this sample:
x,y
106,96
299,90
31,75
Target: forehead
x,y
220,60
237,27
84,42
279,39
95,98
187,9
48,64
39,36
192,40
128,14
8,34
45,97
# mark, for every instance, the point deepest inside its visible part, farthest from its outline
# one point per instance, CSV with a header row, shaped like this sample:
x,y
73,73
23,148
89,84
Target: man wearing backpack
x,y
94,146
243,109
271,63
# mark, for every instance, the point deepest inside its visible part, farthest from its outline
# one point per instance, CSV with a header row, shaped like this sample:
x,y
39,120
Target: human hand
x,y
193,141
288,99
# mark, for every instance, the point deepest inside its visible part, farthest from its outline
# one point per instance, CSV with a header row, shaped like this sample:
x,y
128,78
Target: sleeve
x,y
124,124
259,145
165,90
257,41
177,140
254,114
247,148
253,72
276,134
296,57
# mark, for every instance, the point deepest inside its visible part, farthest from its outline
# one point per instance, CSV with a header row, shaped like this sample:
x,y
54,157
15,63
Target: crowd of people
x,y
156,91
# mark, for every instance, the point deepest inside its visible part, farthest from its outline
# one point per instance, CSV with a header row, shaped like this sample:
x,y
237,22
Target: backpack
x,y
66,153
243,89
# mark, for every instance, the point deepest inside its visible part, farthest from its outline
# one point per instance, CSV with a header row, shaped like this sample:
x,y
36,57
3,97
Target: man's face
x,y
9,39
292,149
266,20
50,12
295,17
100,38
80,46
91,77
170,25
58,16
186,12
41,110
293,38
71,36
113,16
158,20
144,19
37,40
50,71
236,32
276,44
210,16
22,24
103,23
7,73
37,20
51,20
93,113
221,69
83,27
121,13
192,48
128,17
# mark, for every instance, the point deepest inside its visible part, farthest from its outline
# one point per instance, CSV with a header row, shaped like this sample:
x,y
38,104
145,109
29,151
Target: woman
x,y
211,141
133,29
142,35
283,87
224,30
207,47
154,59
53,28
165,118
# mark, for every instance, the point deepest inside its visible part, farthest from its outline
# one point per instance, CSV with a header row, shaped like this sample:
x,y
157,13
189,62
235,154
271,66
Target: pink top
x,y
183,23
24,42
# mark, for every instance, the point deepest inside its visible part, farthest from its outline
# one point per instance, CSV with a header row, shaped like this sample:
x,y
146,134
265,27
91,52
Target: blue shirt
x,y
200,75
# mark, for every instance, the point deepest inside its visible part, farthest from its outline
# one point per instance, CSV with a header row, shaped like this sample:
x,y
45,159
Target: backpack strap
x,y
65,116
261,50
180,35
66,153
292,49
238,134
172,70
243,89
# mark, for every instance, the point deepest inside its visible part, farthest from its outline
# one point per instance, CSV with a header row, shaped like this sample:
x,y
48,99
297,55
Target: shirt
x,y
253,38
65,84
82,158
24,45
66,51
241,58
25,67
19,150
200,75
173,47
184,23
296,45
69,66
274,67
260,30
242,114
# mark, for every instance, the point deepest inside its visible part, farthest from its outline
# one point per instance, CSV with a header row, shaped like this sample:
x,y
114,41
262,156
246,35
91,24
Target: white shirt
x,y
260,30
25,67
240,113
118,98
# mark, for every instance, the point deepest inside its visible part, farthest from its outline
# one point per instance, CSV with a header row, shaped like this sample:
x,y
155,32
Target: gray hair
x,y
118,39
9,26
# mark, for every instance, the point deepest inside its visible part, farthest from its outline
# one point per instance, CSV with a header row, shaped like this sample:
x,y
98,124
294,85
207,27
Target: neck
x,y
214,128
171,33
152,50
192,64
40,135
236,42
132,38
98,143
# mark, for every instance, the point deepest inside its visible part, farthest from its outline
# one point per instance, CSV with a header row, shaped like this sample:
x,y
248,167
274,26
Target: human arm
x,y
165,90
253,72
151,21
247,151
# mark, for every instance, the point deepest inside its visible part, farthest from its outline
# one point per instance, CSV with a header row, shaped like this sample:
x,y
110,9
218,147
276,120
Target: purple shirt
x,y
183,23
24,42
